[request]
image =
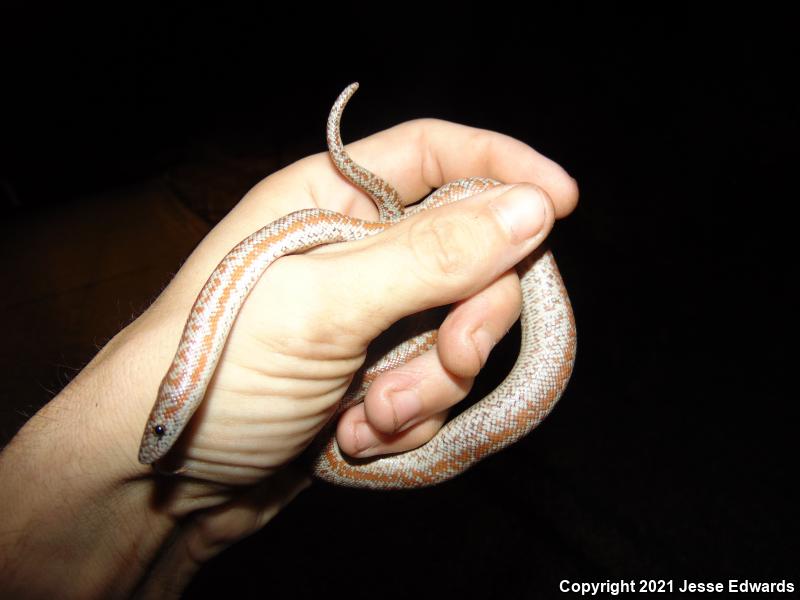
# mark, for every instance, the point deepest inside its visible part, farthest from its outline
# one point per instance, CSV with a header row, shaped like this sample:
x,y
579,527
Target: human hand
x,y
405,407
298,341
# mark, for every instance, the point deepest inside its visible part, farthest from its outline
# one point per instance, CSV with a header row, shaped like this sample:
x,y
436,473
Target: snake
x,y
535,383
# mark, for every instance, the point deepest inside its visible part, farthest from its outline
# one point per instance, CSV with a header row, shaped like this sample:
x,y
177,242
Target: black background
x,y
670,454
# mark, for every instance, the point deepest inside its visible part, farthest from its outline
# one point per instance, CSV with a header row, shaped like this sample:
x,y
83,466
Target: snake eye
x,y
159,430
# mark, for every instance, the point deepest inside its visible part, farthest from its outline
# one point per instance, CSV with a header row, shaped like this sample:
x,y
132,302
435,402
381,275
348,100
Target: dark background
x,y
671,453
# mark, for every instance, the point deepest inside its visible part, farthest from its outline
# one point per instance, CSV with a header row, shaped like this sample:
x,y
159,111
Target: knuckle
x,y
445,245
424,123
481,141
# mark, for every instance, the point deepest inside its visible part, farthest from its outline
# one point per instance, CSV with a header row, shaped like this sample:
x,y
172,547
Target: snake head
x,y
163,425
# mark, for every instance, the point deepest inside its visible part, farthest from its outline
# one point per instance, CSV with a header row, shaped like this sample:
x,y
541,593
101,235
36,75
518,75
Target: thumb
x,y
437,256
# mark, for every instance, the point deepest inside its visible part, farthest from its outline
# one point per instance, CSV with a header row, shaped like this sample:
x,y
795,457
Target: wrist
x,y
74,496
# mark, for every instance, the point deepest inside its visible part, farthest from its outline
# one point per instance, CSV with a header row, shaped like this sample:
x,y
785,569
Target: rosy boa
x,y
522,400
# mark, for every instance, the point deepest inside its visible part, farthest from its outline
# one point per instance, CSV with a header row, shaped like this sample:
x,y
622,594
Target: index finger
x,y
418,156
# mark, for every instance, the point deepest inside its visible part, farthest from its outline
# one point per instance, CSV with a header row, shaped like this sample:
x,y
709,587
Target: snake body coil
x,y
519,403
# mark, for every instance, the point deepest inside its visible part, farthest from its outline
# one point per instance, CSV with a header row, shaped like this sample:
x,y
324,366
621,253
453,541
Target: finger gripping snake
x,y
520,402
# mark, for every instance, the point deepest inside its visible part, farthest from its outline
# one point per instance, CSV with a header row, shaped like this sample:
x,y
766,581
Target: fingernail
x,y
484,342
522,211
365,439
405,404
